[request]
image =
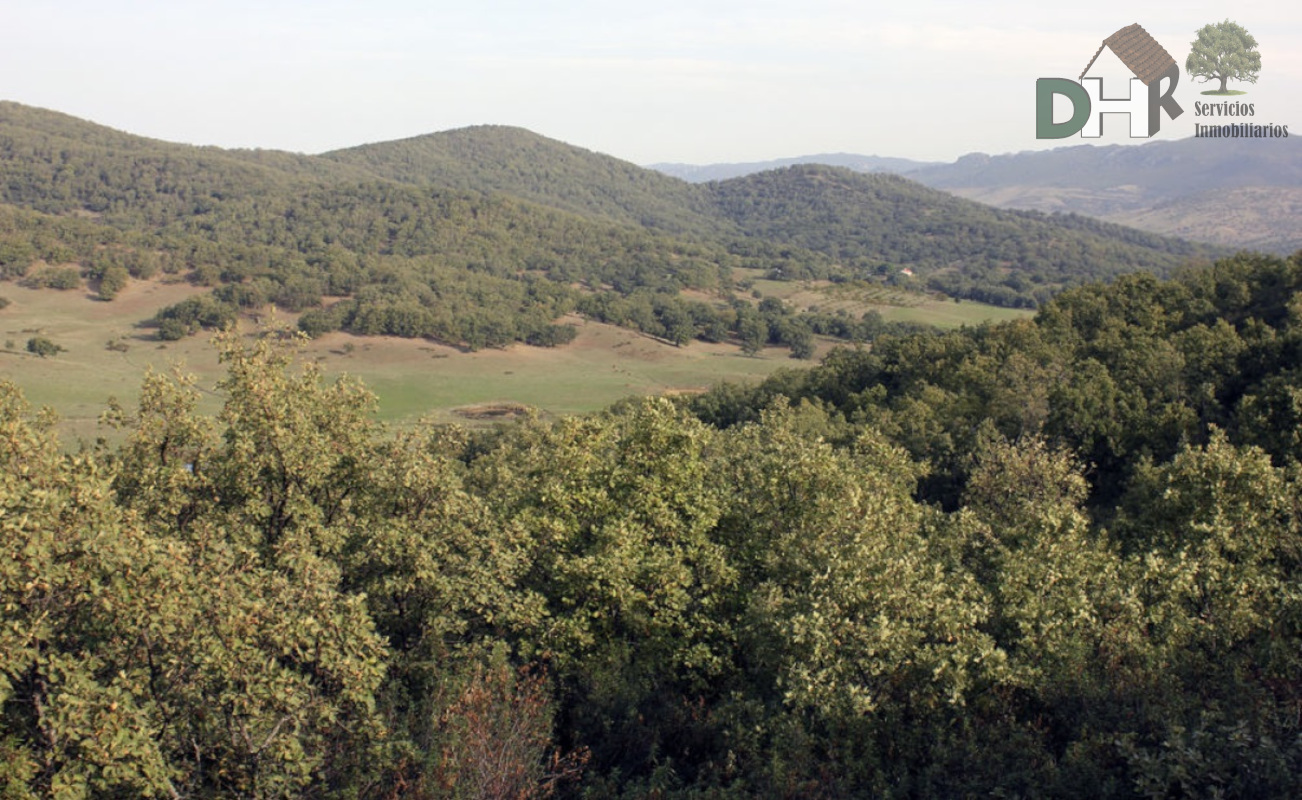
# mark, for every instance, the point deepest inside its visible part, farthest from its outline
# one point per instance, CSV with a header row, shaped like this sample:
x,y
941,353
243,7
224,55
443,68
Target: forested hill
x,y
523,164
414,230
467,267
59,164
864,222
964,248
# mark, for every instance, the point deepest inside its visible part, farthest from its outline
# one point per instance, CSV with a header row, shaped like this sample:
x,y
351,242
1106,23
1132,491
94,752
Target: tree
x,y
1225,51
146,652
754,332
113,280
802,344
43,347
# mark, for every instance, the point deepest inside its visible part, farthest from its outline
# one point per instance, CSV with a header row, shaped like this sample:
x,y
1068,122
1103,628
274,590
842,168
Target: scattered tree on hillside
x,y
43,347
114,280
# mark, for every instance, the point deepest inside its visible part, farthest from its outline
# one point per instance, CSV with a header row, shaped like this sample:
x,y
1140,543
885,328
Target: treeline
x,y
754,326
338,285
1057,557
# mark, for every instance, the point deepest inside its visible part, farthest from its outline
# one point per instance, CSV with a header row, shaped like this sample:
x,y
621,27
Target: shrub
x,y
42,346
113,280
56,278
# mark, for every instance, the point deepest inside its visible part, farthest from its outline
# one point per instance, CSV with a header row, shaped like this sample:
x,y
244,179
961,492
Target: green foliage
x,y
1058,557
192,315
877,224
848,618
43,346
1224,51
55,278
150,661
908,583
113,280
516,162
16,257
487,236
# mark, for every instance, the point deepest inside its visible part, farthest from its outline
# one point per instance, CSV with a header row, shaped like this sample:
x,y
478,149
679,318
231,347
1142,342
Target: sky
x,y
698,81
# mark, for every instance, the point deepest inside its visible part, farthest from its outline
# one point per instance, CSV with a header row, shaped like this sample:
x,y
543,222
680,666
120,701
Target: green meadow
x,y
107,350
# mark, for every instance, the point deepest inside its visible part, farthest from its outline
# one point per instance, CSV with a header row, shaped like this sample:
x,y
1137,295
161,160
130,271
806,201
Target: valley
x,y
480,465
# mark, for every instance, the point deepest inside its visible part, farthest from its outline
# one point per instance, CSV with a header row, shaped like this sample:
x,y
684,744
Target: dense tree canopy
x,y
1057,557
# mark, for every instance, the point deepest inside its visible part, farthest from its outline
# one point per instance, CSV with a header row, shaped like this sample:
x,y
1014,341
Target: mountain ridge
x,y
526,164
508,205
702,173
1167,187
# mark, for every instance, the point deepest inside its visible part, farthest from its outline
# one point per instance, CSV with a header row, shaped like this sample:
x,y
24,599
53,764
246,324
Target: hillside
x,y
484,236
1184,188
856,224
1231,193
471,268
1266,218
885,223
59,164
1155,169
523,164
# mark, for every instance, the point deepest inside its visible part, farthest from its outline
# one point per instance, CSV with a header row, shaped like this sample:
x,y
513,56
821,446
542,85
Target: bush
x,y
190,315
15,258
552,336
56,278
113,280
42,346
169,330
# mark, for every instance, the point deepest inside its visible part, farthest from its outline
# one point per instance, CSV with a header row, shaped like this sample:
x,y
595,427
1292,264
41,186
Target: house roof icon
x,y
1140,53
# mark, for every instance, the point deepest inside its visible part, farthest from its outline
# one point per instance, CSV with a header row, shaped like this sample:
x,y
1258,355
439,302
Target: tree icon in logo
x,y
1224,51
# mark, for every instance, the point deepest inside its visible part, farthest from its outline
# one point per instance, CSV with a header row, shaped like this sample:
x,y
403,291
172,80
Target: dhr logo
x,y
1147,60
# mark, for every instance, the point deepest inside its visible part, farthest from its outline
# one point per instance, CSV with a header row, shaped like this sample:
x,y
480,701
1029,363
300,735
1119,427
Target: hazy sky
x,y
699,81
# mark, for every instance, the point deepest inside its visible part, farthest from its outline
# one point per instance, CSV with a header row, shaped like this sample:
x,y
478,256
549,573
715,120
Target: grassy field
x,y
894,304
414,379
602,365
949,314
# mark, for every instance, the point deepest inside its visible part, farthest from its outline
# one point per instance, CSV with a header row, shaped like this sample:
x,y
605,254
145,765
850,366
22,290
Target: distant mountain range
x,y
1235,192
702,173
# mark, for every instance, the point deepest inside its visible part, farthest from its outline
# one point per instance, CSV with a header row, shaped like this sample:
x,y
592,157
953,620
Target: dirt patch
x,y
492,412
142,299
